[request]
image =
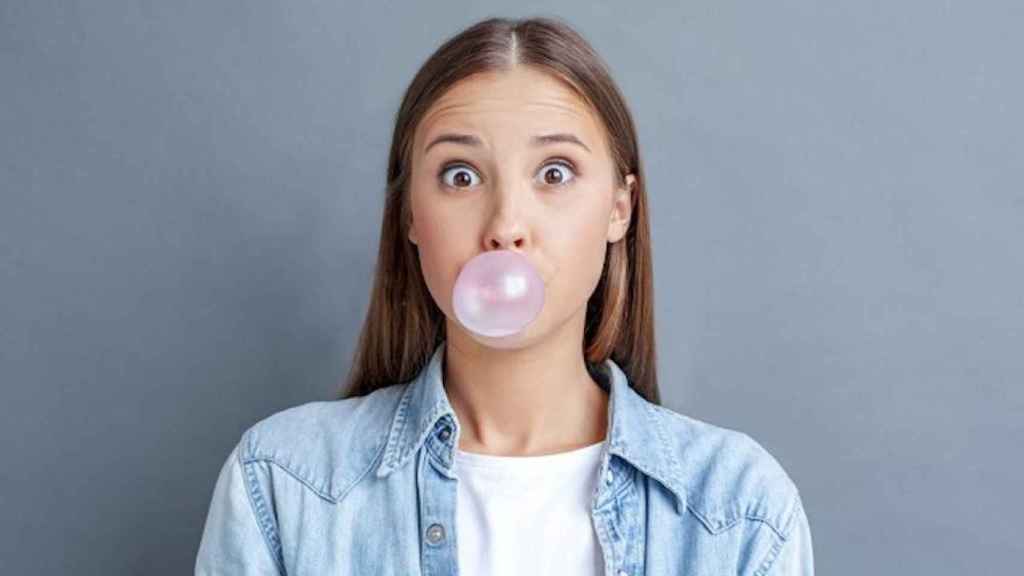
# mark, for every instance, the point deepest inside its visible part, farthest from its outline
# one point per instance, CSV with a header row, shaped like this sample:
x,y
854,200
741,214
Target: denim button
x,y
610,477
435,533
445,433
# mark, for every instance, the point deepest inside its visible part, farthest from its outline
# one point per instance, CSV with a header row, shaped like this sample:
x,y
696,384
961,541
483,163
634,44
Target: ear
x,y
622,210
412,232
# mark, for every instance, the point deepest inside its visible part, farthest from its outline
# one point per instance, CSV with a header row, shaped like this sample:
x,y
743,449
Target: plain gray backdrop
x,y
190,203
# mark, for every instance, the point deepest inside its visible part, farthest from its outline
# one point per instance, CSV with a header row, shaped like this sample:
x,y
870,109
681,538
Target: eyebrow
x,y
470,140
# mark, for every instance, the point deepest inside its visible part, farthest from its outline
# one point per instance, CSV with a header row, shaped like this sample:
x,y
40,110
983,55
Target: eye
x,y
557,173
462,176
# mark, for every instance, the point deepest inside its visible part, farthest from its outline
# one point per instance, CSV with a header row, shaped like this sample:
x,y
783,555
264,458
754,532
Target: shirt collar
x,y
636,431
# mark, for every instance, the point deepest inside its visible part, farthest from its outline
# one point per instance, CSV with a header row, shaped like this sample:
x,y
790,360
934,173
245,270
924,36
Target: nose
x,y
505,241
506,229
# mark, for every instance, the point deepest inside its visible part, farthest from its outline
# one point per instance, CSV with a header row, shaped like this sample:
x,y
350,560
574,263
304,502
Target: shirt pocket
x,y
716,519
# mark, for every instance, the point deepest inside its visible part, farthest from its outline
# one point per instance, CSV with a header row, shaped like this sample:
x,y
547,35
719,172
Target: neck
x,y
532,400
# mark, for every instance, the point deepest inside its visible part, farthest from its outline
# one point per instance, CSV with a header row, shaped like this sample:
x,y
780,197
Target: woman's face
x,y
516,178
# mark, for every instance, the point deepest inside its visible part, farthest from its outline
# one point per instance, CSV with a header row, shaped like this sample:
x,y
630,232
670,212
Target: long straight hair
x,y
403,325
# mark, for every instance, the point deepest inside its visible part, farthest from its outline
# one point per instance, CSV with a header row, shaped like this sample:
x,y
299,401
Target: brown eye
x,y
557,173
461,176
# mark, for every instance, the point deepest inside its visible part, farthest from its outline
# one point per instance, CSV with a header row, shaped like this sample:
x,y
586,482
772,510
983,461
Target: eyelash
x,y
564,162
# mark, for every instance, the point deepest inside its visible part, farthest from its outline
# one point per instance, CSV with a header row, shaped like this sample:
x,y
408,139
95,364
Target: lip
x,y
546,269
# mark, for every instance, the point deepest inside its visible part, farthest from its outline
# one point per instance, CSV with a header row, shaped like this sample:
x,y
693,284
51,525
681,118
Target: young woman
x,y
541,450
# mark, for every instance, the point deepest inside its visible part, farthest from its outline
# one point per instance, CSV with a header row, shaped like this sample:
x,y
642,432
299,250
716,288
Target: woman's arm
x,y
239,536
796,557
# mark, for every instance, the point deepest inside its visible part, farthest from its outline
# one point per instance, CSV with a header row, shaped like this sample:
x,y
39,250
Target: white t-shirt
x,y
520,515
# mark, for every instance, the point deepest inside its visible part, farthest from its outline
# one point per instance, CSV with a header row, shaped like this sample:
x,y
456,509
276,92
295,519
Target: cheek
x,y
438,246
433,264
582,254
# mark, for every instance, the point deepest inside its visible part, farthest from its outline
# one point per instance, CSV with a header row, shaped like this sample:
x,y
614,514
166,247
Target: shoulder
x,y
727,475
327,445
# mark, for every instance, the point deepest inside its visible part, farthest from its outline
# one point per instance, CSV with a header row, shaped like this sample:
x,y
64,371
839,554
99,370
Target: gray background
x,y
190,199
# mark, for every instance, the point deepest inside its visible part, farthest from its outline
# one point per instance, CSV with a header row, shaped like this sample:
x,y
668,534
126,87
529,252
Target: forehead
x,y
520,99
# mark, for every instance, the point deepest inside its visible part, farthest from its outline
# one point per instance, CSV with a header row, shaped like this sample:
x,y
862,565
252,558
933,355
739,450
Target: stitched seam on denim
x,y
440,457
798,507
654,411
358,478
767,522
706,521
256,455
397,431
341,493
663,436
657,413
599,521
378,457
437,412
321,492
625,484
620,490
318,491
784,530
766,564
266,524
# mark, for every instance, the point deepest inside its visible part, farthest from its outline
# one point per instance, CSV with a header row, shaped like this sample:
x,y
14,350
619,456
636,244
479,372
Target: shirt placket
x,y
619,521
437,493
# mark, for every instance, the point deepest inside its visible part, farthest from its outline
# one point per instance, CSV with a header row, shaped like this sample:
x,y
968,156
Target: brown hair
x,y
403,325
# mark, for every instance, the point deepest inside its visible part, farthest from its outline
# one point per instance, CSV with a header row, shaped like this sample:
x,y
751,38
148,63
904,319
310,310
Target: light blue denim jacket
x,y
365,486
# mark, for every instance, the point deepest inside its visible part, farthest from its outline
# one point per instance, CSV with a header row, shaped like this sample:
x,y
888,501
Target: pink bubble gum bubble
x,y
498,293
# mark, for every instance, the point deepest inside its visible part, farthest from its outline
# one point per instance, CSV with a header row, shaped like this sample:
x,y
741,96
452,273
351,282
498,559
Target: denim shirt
x,y
366,486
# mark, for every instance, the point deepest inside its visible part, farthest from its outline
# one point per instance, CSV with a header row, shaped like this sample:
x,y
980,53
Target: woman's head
x,y
515,160
513,136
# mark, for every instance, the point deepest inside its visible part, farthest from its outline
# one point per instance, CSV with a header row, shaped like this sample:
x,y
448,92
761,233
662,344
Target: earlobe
x,y
411,231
